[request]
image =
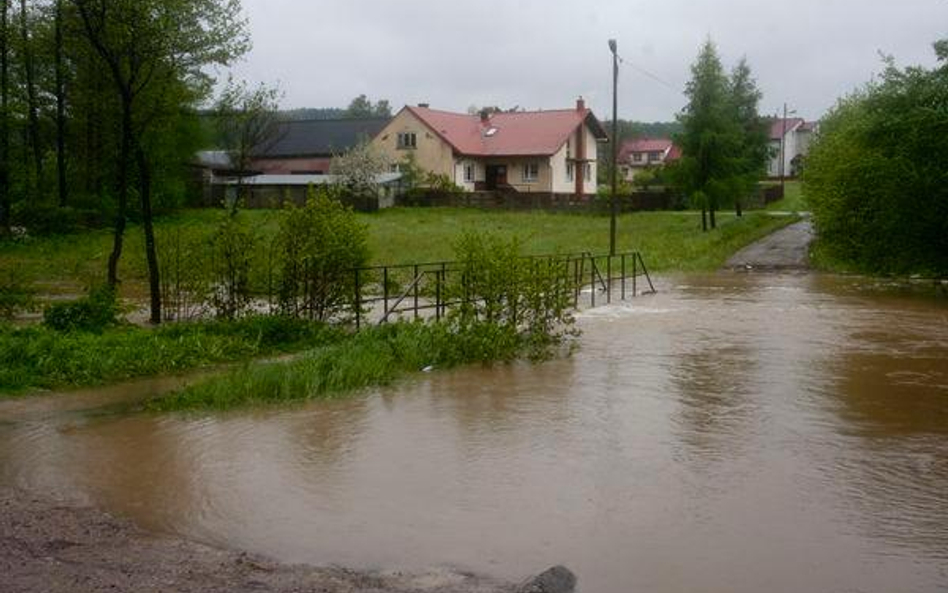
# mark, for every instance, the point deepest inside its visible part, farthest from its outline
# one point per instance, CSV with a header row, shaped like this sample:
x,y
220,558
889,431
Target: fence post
x,y
592,280
623,276
385,292
416,281
635,274
437,274
609,280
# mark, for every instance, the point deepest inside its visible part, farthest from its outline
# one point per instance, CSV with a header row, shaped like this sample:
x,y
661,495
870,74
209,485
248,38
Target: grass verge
x,y
376,356
36,357
669,241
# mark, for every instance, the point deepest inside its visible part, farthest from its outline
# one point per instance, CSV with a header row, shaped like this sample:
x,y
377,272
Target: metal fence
x,y
416,291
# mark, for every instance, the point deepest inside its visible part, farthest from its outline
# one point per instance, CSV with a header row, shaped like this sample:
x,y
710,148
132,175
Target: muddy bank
x,y
53,547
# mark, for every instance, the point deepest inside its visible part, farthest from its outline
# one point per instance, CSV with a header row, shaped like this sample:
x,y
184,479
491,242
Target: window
x,y
588,172
531,171
637,157
569,171
469,173
655,156
407,140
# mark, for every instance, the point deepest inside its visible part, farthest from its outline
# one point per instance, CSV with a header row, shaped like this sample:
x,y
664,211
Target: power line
x,y
645,72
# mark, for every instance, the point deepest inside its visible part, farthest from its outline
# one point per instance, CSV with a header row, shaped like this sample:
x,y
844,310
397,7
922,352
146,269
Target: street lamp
x,y
615,146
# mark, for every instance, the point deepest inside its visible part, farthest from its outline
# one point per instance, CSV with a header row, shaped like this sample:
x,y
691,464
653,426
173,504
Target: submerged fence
x,y
387,293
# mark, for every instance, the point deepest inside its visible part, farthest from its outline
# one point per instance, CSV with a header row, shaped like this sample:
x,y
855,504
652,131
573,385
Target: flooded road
x,y
732,433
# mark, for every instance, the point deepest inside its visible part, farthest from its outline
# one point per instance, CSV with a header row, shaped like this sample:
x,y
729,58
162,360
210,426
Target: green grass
x,y
669,241
793,200
36,357
377,356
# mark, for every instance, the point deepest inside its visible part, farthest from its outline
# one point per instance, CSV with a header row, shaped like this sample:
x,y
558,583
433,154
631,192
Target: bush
x,y
876,177
15,296
318,246
92,313
232,252
531,297
183,266
51,219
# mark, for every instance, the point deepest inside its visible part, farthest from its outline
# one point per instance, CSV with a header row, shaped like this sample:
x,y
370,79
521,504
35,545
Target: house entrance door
x,y
495,176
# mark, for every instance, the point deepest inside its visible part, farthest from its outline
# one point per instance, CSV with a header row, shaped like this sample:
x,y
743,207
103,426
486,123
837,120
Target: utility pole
x,y
613,204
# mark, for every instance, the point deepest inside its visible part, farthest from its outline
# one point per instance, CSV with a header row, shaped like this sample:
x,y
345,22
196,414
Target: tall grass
x,y
40,358
376,356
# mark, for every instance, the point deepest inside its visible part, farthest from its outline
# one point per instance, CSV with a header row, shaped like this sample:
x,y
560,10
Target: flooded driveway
x,y
733,433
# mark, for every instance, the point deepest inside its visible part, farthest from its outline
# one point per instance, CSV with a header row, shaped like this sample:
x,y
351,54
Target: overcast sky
x,y
542,54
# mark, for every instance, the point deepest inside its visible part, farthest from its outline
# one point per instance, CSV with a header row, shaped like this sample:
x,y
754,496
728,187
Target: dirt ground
x,y
50,547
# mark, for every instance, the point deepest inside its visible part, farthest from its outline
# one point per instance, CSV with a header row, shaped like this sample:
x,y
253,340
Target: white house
x,y
789,144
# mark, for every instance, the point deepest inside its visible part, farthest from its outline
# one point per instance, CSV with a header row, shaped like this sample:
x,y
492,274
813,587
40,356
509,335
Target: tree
x,y
248,124
29,74
876,178
358,169
362,106
155,52
755,142
711,137
60,92
6,200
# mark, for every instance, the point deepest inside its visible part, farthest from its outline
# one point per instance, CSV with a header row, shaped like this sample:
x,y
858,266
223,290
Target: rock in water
x,y
558,579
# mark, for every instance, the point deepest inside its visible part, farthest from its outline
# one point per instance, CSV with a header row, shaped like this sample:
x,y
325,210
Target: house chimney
x,y
580,104
424,105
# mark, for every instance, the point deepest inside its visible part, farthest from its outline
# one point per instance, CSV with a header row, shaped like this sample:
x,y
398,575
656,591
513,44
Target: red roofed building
x,y
790,139
526,151
645,153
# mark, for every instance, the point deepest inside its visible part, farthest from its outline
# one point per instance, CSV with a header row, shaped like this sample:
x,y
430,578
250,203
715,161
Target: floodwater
x,y
732,433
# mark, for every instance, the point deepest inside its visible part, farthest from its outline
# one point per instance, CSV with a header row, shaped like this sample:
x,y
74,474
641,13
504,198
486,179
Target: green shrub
x,y
232,251
317,248
15,296
183,265
876,178
92,313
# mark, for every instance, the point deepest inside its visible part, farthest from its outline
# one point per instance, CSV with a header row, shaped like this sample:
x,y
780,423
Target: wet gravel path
x,y
786,249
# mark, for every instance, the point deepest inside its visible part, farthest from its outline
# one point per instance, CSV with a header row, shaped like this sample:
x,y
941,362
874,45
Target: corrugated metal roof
x,y
258,180
321,137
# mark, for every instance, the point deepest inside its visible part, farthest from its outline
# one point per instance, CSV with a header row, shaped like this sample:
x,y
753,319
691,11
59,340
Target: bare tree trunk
x,y
704,218
5,200
33,115
60,110
122,189
737,207
711,211
151,255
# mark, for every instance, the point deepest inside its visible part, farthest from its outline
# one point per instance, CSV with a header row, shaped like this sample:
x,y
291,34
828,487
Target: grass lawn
x,y
793,200
669,241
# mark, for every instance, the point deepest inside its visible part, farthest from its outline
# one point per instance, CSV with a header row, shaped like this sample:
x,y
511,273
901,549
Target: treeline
x,y
98,106
877,176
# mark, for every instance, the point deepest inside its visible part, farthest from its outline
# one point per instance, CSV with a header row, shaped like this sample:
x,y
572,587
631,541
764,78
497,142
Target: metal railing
x,y
384,293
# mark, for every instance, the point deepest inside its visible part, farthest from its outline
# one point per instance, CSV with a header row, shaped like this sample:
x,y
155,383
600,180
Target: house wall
x,y
431,152
558,164
287,166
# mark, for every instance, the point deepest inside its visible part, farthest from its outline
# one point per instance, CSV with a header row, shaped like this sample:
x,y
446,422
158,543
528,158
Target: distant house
x,y
790,143
645,153
552,151
274,190
307,147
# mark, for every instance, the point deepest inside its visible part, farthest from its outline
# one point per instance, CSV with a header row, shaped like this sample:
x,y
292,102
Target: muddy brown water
x,y
733,433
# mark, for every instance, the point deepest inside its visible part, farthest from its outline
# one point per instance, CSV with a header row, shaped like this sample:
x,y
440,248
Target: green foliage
x,y
499,286
318,246
723,139
92,313
376,356
15,295
185,278
232,251
876,178
362,106
41,358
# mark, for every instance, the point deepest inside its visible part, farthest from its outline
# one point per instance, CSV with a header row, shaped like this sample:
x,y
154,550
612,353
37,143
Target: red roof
x,y
645,145
527,133
777,127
